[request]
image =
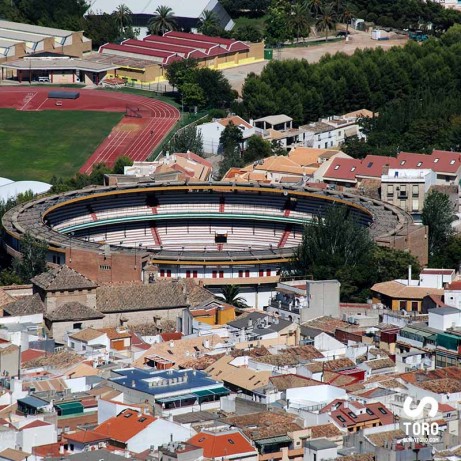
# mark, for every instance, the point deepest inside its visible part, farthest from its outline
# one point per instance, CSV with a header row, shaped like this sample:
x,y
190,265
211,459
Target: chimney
x,y
171,344
409,275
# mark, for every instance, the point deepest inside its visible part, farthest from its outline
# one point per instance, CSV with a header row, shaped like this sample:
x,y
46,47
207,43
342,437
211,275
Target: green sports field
x,y
38,145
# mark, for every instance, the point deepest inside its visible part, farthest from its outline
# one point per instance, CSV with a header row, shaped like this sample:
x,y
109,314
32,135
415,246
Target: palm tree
x,y
313,6
327,19
123,16
163,21
230,294
300,20
346,15
209,23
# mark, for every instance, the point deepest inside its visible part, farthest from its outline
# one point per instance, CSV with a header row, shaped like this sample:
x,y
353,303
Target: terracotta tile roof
x,y
182,351
379,364
61,359
444,407
346,417
456,285
222,444
160,295
31,354
305,156
420,376
290,381
202,363
338,380
171,336
86,437
125,425
28,305
236,120
73,311
379,439
244,378
357,457
292,356
268,424
5,298
62,278
114,333
325,431
14,455
442,386
361,113
72,422
49,450
331,365
328,324
395,289
88,334
34,424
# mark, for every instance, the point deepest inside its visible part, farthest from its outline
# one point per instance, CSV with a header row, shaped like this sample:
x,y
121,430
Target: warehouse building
x,y
18,40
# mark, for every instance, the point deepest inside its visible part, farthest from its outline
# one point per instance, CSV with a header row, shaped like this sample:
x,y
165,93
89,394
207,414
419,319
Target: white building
x,y
211,132
442,318
320,450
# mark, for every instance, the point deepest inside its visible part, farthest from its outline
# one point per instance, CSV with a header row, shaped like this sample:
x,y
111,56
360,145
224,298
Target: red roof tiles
x,y
125,425
221,444
36,423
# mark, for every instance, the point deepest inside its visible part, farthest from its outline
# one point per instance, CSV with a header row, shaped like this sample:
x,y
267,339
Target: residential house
x,y
398,295
88,341
377,366
179,451
303,300
238,378
211,132
213,313
320,450
170,391
86,440
138,432
262,329
10,454
225,445
35,432
407,188
272,431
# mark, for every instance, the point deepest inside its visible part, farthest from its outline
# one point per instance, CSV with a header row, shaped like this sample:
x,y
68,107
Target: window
x,y
83,347
415,190
268,272
240,273
352,415
337,167
72,345
390,190
187,274
56,259
195,274
353,168
402,162
231,441
340,418
436,160
162,272
221,274
415,205
326,145
382,411
419,163
452,162
414,306
247,273
104,267
339,133
77,326
402,305
168,273
370,412
370,164
214,274
261,273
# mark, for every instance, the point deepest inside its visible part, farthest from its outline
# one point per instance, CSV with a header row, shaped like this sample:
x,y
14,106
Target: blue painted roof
x,y
34,402
142,378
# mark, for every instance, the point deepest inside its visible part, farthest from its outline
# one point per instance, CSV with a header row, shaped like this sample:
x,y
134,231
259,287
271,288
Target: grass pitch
x,y
38,145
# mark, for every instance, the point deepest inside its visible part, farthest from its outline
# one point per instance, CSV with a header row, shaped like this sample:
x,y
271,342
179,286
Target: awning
x,y
220,391
69,408
274,440
176,398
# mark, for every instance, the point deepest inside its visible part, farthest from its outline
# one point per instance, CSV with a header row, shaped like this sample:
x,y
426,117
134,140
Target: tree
x,y
231,159
230,294
346,15
437,215
123,17
278,29
300,20
163,21
231,137
248,33
187,139
391,264
101,28
192,95
121,163
327,19
256,149
313,6
33,260
209,24
178,71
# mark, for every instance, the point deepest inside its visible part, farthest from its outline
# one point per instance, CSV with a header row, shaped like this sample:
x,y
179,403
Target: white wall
x,y
329,346
453,298
158,433
443,322
110,408
321,455
42,435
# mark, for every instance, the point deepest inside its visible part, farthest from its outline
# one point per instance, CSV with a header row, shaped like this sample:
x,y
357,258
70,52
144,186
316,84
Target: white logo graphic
x,y
423,429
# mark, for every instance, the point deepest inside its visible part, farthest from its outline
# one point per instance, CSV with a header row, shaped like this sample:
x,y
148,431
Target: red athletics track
x,y
135,137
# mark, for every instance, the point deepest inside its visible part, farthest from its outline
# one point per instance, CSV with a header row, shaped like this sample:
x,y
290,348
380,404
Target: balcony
x,y
288,307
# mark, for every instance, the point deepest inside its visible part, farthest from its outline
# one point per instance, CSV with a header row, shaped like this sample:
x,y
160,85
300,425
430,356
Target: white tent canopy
x,y
10,189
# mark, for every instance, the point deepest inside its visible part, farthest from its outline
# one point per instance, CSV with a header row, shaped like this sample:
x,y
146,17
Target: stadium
x,y
217,233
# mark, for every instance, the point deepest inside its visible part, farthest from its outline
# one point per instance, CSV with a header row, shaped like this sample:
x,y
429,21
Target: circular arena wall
x,y
219,233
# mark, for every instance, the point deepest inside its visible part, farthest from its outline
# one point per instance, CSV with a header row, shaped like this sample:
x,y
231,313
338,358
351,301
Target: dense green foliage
x,y
336,247
438,213
35,151
186,139
33,261
339,84
230,294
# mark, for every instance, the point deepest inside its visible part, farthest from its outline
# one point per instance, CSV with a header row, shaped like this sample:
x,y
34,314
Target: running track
x,y
134,137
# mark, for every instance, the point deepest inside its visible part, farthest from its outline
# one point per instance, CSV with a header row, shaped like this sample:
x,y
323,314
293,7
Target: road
x,y
357,40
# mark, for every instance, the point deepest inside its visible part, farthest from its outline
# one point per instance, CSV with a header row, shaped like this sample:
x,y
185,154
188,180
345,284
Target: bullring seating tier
x,y
43,218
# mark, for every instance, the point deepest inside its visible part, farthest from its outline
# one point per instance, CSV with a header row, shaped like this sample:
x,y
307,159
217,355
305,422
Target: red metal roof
x,y
344,169
229,44
440,161
166,57
372,165
210,49
185,52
